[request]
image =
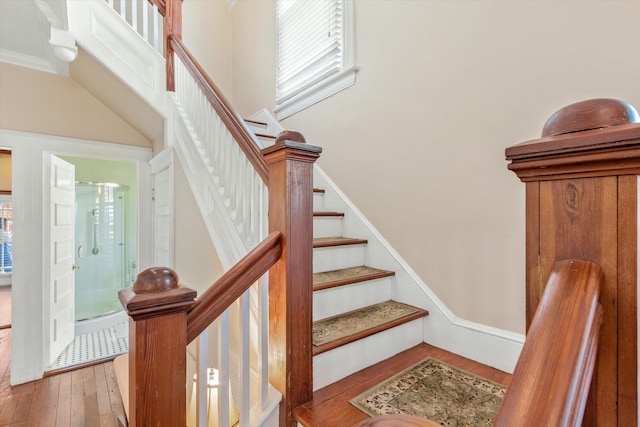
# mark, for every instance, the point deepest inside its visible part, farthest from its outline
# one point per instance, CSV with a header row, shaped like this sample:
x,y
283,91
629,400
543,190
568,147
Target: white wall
x,y
442,89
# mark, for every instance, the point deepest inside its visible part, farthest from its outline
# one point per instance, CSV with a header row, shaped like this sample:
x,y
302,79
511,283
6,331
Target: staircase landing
x,y
330,406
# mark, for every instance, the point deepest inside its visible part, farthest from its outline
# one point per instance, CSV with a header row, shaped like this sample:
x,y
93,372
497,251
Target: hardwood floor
x,y
84,397
330,406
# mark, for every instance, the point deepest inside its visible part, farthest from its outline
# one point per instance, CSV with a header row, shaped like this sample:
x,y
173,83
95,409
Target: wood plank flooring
x,y
84,397
330,406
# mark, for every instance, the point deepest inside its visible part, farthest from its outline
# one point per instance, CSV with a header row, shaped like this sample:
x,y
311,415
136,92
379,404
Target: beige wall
x,y
442,89
196,260
207,34
45,103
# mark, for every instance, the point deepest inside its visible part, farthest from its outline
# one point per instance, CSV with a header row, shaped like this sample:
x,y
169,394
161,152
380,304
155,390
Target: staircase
x,y
356,321
368,305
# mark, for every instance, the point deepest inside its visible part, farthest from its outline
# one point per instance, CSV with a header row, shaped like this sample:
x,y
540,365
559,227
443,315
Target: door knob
x,y
75,267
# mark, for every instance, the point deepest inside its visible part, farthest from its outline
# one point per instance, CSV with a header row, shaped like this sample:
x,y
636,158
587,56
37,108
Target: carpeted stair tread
x,y
331,279
328,214
357,324
324,242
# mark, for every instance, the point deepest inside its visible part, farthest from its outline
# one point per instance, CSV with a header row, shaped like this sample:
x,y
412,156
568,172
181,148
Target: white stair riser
x,y
327,226
337,257
341,299
257,127
338,363
318,202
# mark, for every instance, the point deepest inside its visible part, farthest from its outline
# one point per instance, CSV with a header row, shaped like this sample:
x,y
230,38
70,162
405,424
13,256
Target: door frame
x,y
29,293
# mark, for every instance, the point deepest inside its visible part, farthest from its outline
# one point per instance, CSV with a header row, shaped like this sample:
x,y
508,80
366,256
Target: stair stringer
x,y
492,346
208,196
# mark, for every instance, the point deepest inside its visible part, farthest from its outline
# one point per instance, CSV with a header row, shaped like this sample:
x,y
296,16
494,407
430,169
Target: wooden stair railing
x,y
552,377
234,123
164,316
232,284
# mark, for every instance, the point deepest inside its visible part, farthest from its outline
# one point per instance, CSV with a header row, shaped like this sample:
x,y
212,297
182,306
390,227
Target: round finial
x,y
290,135
590,114
155,279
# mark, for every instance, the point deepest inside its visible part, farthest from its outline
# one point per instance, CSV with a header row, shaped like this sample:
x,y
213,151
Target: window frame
x,y
329,85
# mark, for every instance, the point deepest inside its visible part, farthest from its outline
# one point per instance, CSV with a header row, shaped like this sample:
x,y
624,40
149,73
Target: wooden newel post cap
x,y
290,135
156,291
590,114
155,279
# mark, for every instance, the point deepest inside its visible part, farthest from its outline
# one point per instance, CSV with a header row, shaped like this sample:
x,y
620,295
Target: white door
x,y
162,196
61,256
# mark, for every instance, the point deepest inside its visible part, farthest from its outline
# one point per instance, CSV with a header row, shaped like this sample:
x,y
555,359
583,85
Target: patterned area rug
x,y
437,391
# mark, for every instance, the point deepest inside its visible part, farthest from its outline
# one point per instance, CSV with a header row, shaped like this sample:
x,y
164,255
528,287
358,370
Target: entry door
x,y
61,256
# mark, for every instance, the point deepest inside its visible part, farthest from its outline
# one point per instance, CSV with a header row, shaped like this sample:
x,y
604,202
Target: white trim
x,y
112,41
492,346
332,84
26,61
27,153
317,93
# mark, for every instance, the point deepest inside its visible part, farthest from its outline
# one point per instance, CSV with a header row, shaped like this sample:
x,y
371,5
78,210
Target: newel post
x,y
157,307
290,163
582,202
172,28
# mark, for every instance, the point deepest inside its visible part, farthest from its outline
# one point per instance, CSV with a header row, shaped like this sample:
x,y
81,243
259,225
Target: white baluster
x,y
134,14
145,20
245,366
223,357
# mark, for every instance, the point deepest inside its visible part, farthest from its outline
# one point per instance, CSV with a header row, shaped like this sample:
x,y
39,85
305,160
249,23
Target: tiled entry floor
x,y
93,346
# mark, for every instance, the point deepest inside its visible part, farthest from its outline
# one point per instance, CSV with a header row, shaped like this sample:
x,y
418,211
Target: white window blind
x,y
314,42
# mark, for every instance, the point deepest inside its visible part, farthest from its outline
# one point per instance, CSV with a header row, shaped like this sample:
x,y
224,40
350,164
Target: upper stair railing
x,y
145,17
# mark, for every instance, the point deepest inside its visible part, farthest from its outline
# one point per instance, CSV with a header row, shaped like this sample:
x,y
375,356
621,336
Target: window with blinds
x,y
315,54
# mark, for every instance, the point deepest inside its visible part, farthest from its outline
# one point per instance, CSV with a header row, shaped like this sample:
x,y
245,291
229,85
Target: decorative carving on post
x,y
582,202
290,280
157,306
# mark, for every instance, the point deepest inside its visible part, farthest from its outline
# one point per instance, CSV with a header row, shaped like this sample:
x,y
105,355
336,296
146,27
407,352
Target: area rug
x,y
436,391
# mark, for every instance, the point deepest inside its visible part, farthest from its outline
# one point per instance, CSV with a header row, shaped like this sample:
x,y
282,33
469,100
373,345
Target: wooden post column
x,y
172,29
157,307
290,163
582,202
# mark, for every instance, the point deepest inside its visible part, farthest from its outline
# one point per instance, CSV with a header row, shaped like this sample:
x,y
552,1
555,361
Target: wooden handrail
x,y
232,284
161,5
551,381
231,119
